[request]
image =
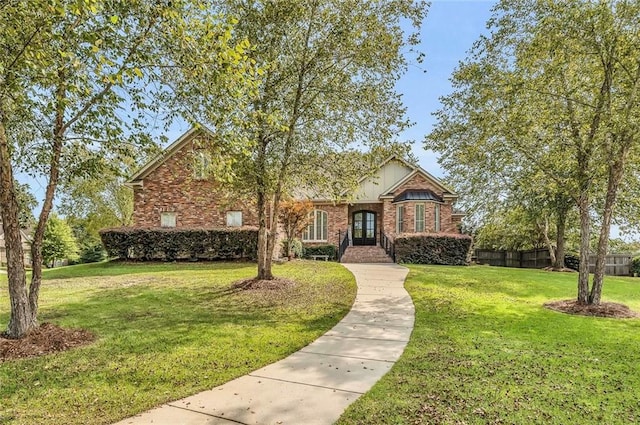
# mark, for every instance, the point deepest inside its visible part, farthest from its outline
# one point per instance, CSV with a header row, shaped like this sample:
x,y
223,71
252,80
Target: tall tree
x,y
71,67
555,88
328,73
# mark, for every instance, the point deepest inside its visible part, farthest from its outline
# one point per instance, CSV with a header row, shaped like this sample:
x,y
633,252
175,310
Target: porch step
x,y
365,254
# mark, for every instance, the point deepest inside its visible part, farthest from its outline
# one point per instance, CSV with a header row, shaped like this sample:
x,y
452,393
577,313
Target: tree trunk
x,y
20,322
54,173
585,235
264,261
561,225
547,242
616,171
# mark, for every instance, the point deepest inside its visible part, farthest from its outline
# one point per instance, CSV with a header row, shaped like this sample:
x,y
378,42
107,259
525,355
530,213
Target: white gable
x,y
387,176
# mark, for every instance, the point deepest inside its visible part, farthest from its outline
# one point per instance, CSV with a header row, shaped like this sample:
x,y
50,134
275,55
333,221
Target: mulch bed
x,y
47,339
611,310
262,285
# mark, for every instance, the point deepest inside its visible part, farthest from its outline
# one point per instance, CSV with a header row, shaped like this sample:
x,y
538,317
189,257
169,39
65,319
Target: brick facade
x,y
337,221
173,187
419,182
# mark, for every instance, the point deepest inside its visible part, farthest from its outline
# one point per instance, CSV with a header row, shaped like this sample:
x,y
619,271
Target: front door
x,y
364,228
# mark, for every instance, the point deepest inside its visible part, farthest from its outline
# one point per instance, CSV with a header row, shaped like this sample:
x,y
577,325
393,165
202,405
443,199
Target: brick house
x,y
172,191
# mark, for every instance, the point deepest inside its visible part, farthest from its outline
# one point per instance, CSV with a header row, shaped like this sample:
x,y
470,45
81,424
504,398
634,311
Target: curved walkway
x,y
316,384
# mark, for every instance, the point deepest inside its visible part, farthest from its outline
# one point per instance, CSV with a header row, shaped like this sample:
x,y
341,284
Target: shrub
x,y
448,249
572,261
296,248
329,250
635,266
170,244
92,253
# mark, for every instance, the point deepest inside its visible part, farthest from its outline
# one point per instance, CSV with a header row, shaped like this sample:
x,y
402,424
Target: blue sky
x,y
448,32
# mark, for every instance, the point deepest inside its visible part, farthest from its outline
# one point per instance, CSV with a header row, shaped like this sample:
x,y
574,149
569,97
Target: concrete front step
x,y
365,254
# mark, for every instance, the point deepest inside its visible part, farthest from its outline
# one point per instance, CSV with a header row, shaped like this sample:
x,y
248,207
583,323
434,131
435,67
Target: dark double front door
x,y
364,228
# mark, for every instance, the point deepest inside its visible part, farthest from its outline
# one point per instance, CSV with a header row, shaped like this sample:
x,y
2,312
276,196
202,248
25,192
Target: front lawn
x,y
164,331
484,350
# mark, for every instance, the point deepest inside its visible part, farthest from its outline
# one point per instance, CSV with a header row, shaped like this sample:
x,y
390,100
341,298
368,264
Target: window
x,y
234,218
419,218
317,229
201,164
437,218
399,218
168,219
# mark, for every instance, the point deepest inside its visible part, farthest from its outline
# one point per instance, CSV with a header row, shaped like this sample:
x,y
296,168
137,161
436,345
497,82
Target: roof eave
x,y
166,154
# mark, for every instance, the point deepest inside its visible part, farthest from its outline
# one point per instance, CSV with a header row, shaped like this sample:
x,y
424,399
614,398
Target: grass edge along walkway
x,y
484,350
314,385
164,331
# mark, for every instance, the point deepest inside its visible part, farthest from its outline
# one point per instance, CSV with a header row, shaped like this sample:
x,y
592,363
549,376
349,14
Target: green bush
x,y
329,250
296,248
447,249
635,266
169,244
572,261
92,253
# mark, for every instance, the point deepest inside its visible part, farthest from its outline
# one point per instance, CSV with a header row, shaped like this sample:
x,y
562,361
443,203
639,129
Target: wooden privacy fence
x,y
615,264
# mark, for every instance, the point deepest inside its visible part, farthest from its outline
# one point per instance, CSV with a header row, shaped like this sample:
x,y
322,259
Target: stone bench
x,y
324,257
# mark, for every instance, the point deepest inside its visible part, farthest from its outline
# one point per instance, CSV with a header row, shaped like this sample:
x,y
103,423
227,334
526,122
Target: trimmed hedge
x,y
170,244
447,249
329,250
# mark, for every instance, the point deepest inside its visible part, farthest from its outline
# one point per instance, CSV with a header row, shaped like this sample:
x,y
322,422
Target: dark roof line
x,y
417,195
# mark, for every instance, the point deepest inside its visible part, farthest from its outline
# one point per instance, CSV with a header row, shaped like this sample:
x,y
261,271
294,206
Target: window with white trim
x,y
317,229
437,217
419,218
234,218
399,218
168,219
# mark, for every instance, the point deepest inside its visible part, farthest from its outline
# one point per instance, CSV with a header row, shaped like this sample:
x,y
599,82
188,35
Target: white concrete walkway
x,y
316,384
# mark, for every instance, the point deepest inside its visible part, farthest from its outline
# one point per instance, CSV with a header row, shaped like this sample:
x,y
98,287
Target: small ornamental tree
x,y
294,216
59,242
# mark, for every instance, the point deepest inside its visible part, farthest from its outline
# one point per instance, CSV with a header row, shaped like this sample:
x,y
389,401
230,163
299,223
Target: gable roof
x,y
388,191
167,153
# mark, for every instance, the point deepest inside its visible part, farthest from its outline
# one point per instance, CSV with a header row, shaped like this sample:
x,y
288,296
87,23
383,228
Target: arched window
x,y
317,229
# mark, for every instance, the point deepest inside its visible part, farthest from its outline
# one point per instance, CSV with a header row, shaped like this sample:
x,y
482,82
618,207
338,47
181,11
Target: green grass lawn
x,y
164,331
484,350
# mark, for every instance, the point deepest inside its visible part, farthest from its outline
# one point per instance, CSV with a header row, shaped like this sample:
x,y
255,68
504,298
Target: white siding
x,y
387,176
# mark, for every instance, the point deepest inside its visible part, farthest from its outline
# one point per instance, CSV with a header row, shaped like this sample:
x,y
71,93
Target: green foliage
x,y
433,249
572,261
27,202
293,246
171,244
164,331
484,351
59,242
329,250
92,253
635,266
80,81
547,110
